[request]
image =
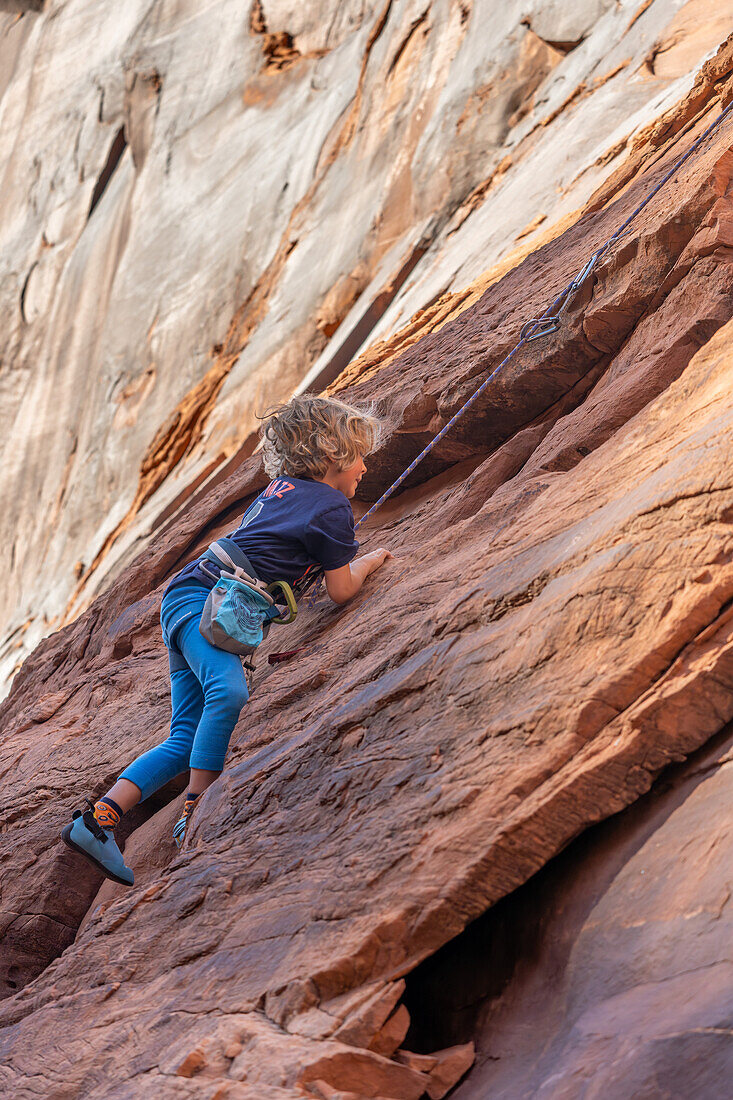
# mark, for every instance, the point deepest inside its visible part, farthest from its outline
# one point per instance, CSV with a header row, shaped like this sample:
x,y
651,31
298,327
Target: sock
x,y
189,803
107,812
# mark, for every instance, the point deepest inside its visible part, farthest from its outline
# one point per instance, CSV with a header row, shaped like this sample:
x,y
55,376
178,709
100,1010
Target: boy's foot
x,y
179,829
87,837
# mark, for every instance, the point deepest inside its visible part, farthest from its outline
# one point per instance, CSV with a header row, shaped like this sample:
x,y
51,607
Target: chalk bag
x,y
236,616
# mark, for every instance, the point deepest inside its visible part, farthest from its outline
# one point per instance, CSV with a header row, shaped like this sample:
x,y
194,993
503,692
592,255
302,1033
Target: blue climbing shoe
x,y
87,837
179,829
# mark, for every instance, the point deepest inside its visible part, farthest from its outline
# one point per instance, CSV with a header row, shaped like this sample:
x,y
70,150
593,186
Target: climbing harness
x,y
240,608
534,329
229,556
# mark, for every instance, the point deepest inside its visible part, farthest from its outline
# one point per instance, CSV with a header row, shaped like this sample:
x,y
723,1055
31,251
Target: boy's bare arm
x,y
343,583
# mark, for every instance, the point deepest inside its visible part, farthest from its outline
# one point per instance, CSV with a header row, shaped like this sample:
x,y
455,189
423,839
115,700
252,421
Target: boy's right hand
x,y
378,557
343,583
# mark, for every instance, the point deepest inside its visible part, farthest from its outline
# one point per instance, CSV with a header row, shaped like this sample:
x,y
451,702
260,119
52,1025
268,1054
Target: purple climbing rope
x,y
538,326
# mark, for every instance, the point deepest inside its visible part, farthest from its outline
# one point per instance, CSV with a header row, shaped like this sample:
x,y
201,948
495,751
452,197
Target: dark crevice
x,y
453,995
415,25
363,328
562,45
113,159
25,290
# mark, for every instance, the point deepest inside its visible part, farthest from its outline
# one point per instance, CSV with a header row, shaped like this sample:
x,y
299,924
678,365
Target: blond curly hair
x,y
301,436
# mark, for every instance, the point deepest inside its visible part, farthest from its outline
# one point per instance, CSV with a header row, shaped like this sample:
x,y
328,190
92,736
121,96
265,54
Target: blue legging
x,y
208,691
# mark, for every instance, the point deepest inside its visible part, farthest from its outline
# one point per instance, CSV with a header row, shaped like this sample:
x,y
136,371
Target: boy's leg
x,y
152,770
92,833
122,796
224,688
201,778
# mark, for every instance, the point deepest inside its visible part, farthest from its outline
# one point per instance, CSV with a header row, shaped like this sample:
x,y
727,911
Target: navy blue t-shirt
x,y
295,523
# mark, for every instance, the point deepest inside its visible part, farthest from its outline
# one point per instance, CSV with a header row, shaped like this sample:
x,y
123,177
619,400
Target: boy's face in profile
x,y
346,480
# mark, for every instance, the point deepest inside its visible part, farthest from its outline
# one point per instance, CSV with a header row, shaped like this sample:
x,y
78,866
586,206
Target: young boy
x,y
313,448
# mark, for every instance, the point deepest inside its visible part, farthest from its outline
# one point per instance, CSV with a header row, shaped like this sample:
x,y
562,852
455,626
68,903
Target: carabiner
x,y
539,326
289,596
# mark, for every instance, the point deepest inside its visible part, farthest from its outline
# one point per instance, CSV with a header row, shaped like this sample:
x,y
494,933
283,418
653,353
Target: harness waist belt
x,y
229,557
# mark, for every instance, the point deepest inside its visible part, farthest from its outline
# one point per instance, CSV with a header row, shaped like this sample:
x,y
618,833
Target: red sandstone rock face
x,y
557,626
624,933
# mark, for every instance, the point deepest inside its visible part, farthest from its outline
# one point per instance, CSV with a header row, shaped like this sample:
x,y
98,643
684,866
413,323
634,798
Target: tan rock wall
x,y
201,202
